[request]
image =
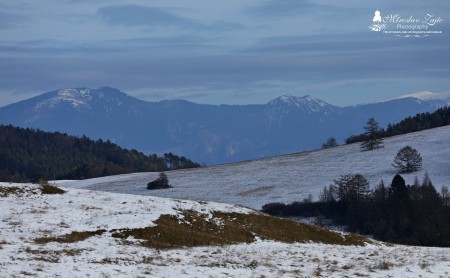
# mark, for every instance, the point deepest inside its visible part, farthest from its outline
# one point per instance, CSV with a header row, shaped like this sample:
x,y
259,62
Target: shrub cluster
x,y
162,182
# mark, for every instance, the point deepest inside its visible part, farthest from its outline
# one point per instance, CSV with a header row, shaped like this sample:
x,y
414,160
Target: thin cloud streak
x,y
251,51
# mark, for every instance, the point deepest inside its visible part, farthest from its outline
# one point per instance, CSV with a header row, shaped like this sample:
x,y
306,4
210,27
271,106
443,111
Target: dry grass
x,y
385,265
197,230
3,242
13,190
66,251
47,188
69,238
423,264
347,267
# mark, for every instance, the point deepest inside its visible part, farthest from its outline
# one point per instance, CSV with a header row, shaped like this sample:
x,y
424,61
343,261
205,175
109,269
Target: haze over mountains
x,y
208,134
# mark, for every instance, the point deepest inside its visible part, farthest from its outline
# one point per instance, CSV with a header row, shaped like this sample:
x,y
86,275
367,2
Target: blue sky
x,y
232,52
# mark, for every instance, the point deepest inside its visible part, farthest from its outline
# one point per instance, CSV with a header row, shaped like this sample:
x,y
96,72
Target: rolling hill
x,y
83,233
93,232
290,177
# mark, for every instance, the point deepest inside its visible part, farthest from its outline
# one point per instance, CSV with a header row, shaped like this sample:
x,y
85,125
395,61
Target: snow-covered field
x,y
291,177
27,216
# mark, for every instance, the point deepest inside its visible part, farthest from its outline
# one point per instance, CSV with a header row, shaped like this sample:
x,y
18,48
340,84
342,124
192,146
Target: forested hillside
x,y
420,121
27,154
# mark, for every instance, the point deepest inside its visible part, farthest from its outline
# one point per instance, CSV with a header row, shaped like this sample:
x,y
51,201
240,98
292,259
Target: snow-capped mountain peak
x,y
82,99
424,96
77,98
306,102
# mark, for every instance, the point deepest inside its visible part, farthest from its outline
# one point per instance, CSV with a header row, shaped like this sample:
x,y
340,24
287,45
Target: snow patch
x,y
77,98
423,96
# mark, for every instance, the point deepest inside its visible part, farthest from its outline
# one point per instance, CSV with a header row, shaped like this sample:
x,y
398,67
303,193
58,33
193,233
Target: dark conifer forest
x,y
29,155
421,121
414,214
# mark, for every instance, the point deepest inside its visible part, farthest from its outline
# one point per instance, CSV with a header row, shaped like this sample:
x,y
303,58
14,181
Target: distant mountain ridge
x,y
208,134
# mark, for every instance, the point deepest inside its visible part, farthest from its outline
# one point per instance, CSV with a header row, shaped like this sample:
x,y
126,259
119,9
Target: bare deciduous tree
x,y
408,160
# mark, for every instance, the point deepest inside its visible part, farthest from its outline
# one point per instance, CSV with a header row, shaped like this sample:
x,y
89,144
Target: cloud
x,y
276,8
9,20
306,48
134,15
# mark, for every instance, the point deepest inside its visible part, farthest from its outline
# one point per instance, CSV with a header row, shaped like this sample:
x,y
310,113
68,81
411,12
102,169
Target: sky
x,y
221,52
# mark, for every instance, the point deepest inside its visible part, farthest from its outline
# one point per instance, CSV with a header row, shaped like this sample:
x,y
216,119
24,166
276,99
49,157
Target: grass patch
x,y
423,265
44,186
47,188
13,190
347,267
69,238
2,242
196,229
385,265
67,252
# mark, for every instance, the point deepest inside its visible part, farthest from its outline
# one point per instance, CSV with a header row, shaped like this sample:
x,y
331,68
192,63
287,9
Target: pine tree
x,y
445,195
373,136
381,192
352,188
398,188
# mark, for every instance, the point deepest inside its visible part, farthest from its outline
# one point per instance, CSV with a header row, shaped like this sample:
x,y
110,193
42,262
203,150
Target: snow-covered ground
x,y
25,217
291,177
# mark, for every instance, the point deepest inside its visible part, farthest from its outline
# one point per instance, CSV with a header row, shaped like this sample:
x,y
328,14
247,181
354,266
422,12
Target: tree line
x,y
414,214
420,121
29,155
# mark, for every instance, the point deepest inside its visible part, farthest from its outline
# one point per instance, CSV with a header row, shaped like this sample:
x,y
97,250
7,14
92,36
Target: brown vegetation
x,y
69,238
230,228
47,188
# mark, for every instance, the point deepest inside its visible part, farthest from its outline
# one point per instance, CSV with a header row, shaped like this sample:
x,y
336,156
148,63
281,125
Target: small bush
x,y
160,183
330,143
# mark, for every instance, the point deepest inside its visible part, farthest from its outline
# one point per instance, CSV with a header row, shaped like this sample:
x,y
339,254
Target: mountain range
x,y
209,134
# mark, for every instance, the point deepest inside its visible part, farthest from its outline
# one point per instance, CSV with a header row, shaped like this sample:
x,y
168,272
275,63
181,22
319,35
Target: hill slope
x,y
208,134
291,177
27,154
86,233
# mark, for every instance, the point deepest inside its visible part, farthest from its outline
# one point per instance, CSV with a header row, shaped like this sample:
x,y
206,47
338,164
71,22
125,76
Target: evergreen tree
x,y
398,188
328,194
380,193
373,136
352,188
445,195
